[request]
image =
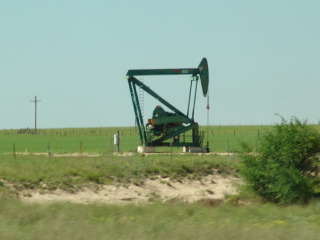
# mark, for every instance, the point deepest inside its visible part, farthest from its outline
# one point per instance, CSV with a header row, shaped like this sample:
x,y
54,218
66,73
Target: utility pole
x,y
35,113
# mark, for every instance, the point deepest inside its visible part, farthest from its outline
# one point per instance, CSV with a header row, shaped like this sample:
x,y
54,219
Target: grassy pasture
x,y
157,221
177,220
73,173
100,140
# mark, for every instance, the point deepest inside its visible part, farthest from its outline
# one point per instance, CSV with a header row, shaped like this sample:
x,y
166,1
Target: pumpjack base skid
x,y
144,149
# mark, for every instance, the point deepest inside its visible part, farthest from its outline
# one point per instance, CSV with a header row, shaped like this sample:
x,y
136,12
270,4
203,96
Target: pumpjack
x,y
169,128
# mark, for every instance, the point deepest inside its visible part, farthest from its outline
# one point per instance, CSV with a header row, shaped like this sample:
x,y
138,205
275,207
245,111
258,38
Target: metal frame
x,y
197,137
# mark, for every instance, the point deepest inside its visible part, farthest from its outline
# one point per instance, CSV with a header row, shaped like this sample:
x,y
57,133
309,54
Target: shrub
x,y
285,168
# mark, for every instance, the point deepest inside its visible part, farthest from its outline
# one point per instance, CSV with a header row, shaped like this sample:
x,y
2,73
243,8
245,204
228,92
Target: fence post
x,y
81,150
48,150
14,150
117,141
111,148
228,148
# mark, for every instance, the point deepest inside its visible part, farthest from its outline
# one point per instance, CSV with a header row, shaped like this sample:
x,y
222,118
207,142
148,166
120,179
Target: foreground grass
x,y
177,220
71,173
157,221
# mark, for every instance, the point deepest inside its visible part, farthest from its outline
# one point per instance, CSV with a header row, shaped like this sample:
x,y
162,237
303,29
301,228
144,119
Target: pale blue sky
x,y
264,58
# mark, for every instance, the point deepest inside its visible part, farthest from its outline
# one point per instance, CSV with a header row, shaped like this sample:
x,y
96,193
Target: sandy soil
x,y
213,187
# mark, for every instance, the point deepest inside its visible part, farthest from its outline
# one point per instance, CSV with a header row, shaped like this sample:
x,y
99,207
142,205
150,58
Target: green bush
x,y
285,167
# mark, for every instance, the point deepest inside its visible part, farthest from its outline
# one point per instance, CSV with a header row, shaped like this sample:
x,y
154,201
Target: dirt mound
x,y
213,187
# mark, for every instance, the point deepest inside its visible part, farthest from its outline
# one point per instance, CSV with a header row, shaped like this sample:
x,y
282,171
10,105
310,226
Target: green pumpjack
x,y
168,128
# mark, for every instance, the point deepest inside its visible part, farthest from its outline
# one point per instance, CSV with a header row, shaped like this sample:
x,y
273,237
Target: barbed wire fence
x,y
224,139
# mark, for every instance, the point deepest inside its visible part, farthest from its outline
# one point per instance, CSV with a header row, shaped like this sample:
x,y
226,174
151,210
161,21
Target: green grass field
x,y
65,221
100,140
178,220
73,173
175,220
